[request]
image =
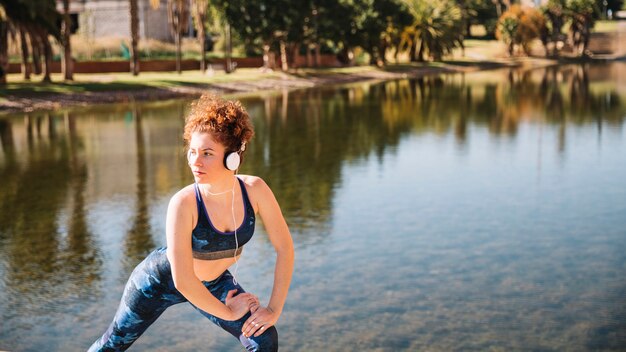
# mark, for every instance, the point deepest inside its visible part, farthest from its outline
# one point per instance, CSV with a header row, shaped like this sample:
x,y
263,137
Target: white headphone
x,y
232,162
233,159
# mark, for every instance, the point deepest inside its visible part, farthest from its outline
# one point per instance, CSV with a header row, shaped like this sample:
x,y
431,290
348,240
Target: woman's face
x,y
205,157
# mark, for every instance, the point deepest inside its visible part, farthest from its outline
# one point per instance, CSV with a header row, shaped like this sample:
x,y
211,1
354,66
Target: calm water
x,y
469,212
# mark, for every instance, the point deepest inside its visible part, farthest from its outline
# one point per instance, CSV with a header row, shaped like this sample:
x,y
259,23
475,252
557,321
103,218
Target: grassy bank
x,y
86,89
84,83
21,95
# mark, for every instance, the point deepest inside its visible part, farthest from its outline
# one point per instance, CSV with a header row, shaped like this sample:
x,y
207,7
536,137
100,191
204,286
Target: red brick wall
x,y
165,65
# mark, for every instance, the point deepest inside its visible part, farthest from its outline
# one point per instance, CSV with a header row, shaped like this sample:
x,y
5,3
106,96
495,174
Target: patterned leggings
x,y
150,290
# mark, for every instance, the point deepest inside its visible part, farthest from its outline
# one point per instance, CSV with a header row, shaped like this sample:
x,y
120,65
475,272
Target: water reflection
x,y
306,136
138,241
81,250
82,188
48,252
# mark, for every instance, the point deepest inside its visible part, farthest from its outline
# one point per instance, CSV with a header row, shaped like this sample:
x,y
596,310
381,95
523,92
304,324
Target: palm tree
x,y
25,51
507,30
44,19
554,12
134,33
436,29
66,31
199,12
134,37
178,18
43,41
583,15
39,18
13,23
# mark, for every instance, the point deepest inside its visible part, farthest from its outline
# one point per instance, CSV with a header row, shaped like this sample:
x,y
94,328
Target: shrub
x,y
520,26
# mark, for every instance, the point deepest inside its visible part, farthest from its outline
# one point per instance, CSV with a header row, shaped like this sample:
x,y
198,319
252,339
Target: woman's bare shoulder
x,y
252,182
259,191
184,197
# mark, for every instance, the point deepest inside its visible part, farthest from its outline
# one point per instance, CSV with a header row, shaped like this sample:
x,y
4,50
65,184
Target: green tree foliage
x,y
554,13
34,13
482,12
39,18
382,27
582,14
259,23
436,29
286,27
507,30
339,24
578,15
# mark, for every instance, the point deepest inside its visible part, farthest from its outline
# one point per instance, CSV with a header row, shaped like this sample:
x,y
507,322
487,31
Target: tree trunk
x,y
47,52
283,56
585,39
25,65
420,53
318,59
373,56
413,52
268,57
67,65
350,56
201,35
396,52
382,51
178,35
309,57
229,61
295,52
35,44
134,37
4,51
346,56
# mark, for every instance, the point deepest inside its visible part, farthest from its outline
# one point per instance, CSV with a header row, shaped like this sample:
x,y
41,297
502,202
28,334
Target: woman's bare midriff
x,y
207,270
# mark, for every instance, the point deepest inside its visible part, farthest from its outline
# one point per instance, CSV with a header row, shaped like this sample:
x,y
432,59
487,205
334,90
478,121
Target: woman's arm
x,y
179,225
279,236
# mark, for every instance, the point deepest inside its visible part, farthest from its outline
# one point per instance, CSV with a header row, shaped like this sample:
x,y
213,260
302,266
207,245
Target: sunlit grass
x,y
167,80
606,26
126,81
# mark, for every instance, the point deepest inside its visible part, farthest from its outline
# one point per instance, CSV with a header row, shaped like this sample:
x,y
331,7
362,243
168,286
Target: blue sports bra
x,y
208,243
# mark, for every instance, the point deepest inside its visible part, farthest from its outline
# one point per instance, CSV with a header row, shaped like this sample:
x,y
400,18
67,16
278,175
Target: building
x,y
104,18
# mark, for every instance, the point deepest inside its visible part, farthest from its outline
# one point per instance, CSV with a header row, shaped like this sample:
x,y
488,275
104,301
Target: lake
x,y
461,212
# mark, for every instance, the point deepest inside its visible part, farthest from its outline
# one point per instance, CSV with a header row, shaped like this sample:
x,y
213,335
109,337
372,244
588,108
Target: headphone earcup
x,y
232,161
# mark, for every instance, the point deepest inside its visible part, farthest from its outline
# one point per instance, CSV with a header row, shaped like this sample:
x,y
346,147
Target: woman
x,y
204,240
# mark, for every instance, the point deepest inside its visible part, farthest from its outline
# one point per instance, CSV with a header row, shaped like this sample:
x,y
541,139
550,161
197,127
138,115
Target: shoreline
x,y
247,81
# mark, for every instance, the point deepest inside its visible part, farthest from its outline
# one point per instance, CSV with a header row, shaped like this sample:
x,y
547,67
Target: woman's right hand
x,y
240,305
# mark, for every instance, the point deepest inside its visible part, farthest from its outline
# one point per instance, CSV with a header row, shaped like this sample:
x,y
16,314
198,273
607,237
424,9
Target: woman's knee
x,y
268,341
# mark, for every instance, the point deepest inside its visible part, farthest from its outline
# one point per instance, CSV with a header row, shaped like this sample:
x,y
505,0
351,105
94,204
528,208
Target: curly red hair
x,y
226,121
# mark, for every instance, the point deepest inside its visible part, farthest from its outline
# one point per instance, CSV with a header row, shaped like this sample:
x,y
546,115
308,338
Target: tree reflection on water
x,y
48,252
56,166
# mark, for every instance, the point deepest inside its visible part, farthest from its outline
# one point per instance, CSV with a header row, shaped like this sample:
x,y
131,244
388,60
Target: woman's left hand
x,y
261,319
